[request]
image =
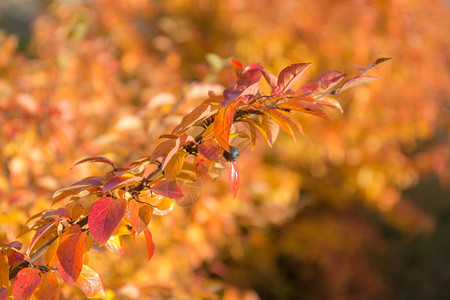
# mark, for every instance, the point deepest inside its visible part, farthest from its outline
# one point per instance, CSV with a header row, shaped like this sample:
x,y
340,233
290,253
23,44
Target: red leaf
x,y
149,241
305,107
49,288
105,216
95,159
233,177
69,256
250,75
237,64
3,294
25,283
167,188
289,75
118,182
90,283
209,150
222,125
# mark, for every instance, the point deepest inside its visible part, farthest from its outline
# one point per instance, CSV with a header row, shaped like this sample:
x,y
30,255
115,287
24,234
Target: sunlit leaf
x,y
95,159
4,269
233,177
90,283
222,125
165,206
25,283
167,188
197,115
118,182
289,75
48,289
202,165
175,165
162,149
352,82
114,244
328,101
150,245
363,70
304,107
69,256
105,216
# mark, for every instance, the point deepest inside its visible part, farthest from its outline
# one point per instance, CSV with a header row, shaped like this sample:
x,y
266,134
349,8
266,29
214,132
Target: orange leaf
x,y
90,283
222,125
175,165
305,107
49,288
4,269
25,283
95,159
140,215
69,256
328,101
201,165
149,241
104,217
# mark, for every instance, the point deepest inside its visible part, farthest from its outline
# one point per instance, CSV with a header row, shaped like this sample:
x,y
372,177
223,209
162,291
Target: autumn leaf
x,y
95,159
118,182
233,177
150,245
104,217
114,244
201,165
289,75
175,165
222,125
25,283
355,81
69,256
4,269
90,283
48,289
304,106
167,188
140,214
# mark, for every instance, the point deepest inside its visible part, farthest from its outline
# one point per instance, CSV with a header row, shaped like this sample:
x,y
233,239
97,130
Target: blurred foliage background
x,y
357,209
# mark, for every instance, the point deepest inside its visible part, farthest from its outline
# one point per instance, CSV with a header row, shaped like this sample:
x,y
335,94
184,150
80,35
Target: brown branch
x,y
36,255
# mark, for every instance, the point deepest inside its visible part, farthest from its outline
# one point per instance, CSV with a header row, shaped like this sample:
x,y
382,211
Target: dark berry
x,y
232,155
